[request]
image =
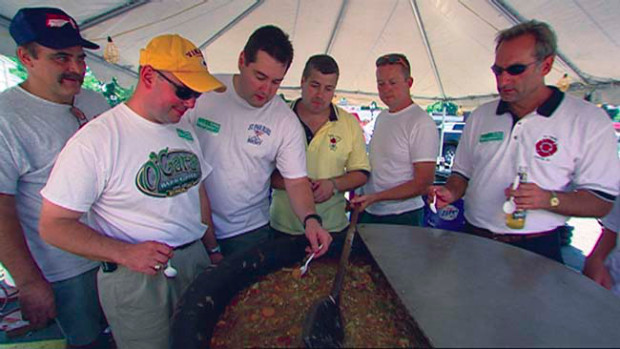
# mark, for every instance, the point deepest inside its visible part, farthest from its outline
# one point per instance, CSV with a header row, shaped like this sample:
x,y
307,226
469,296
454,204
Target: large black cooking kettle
x,y
200,306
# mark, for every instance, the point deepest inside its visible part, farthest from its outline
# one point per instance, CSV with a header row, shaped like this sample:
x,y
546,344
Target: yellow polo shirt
x,y
337,148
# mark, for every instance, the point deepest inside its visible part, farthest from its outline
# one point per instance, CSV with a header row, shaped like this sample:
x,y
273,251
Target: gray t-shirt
x,y
32,133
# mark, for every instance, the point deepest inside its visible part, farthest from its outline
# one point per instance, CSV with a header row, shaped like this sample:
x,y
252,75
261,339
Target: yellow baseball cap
x,y
177,55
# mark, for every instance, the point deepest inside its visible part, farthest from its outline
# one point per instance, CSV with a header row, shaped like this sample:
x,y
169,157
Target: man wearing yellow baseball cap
x,y
135,172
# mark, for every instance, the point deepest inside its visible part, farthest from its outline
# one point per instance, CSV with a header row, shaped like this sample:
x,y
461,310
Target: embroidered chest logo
x,y
169,173
257,133
547,146
333,141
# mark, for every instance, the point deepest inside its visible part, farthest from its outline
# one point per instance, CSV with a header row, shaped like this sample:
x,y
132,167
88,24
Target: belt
x,y
109,267
472,229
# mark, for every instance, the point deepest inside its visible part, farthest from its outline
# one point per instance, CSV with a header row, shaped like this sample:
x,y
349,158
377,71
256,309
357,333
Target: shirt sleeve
x,y
291,156
358,159
612,220
9,167
77,179
424,141
599,159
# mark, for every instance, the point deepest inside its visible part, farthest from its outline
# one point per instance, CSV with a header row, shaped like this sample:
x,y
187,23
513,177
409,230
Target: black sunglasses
x,y
391,59
183,92
515,69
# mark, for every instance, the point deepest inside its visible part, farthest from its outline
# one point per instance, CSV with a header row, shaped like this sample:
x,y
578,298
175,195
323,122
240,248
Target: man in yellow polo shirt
x,y
336,152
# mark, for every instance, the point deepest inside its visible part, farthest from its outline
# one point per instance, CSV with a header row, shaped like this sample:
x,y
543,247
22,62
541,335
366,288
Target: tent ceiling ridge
x,y
232,23
429,50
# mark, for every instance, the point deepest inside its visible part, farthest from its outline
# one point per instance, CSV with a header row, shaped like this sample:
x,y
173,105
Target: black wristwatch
x,y
311,216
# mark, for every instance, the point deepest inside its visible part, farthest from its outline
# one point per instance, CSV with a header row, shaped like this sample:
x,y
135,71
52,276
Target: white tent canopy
x,y
450,43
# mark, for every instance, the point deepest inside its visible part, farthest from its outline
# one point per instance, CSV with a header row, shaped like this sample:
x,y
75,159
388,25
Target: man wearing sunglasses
x,y
37,118
247,133
564,145
403,150
127,190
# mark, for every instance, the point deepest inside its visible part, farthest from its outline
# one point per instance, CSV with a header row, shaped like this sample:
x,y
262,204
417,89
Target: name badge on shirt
x,y
208,125
492,137
185,134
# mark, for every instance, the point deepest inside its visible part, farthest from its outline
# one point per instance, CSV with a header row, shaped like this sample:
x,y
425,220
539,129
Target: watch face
x,y
554,202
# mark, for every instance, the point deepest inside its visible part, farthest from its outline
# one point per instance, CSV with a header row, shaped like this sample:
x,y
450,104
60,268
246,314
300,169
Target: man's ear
x,y
147,76
241,60
547,64
410,81
24,56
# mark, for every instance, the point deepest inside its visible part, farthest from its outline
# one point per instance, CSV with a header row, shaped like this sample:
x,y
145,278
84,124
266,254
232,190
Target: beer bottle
x,y
516,220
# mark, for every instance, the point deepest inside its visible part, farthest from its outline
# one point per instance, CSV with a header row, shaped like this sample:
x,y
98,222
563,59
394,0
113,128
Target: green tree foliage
x,y
438,107
112,91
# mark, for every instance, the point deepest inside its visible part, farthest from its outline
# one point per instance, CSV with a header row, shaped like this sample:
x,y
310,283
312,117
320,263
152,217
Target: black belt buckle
x,y
108,267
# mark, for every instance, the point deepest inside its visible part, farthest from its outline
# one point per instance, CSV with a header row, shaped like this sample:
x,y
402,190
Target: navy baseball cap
x,y
47,26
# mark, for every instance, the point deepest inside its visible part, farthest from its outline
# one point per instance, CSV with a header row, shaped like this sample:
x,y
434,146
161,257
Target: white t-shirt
x,y
572,148
138,180
612,222
32,133
399,140
244,144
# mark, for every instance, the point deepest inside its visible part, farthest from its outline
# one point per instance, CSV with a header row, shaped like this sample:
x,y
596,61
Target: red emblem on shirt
x,y
546,147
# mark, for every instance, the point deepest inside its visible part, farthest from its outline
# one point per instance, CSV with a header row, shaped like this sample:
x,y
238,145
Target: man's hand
x,y
147,257
529,196
443,194
322,189
363,201
36,300
216,258
316,235
595,269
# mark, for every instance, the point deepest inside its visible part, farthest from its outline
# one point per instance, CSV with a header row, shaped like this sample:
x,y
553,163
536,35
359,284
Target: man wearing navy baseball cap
x,y
37,118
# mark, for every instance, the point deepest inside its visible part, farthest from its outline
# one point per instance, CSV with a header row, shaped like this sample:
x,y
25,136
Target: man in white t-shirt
x,y
37,118
245,135
403,150
565,147
126,190
603,263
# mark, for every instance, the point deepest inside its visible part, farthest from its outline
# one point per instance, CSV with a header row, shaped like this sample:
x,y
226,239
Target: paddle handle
x,y
344,257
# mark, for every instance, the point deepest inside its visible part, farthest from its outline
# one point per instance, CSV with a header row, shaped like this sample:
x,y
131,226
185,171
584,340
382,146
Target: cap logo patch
x,y
193,53
546,146
58,21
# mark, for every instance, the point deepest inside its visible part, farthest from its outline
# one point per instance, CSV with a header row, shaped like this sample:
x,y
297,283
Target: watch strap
x,y
315,216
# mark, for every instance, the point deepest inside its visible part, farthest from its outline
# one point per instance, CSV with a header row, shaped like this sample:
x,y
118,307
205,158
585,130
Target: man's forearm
x,y
581,203
457,185
208,239
300,196
424,175
14,252
69,234
349,181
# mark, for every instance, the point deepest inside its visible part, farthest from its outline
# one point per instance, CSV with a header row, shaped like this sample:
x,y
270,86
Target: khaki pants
x,y
139,306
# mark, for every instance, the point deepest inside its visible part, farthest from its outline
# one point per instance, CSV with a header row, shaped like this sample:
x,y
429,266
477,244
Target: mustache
x,y
71,76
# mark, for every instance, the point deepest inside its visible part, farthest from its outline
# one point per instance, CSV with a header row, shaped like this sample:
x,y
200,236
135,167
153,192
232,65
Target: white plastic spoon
x,y
304,268
170,271
509,206
433,206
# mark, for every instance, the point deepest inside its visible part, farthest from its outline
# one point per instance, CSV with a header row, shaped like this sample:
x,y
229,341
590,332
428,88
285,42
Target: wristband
x,y
215,250
311,216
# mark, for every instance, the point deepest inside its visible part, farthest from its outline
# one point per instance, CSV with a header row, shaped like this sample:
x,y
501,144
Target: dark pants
x,y
413,218
246,240
546,244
